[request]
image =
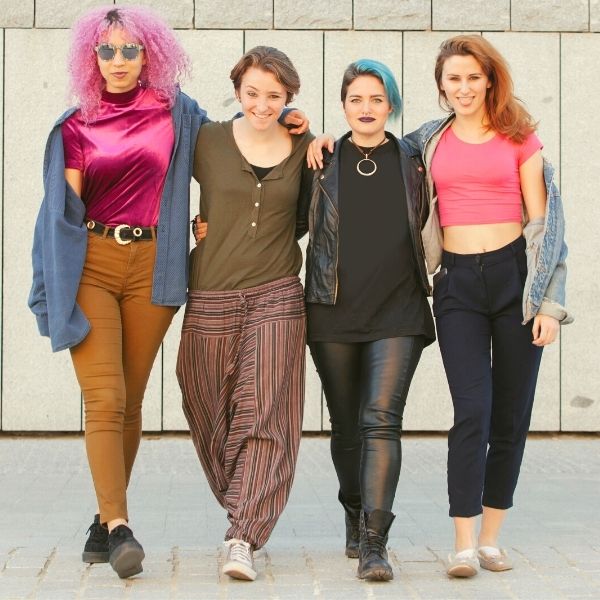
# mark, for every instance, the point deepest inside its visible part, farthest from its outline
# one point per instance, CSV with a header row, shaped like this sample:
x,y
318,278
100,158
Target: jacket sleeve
x,y
553,303
37,295
411,143
306,185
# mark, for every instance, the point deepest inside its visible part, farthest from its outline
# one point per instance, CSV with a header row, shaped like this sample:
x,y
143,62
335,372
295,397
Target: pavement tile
x,y
44,518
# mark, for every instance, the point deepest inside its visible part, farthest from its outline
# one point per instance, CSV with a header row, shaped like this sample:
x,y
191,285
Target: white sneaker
x,y
240,564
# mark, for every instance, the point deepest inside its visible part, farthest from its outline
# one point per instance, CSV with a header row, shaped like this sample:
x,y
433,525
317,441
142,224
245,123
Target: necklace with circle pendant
x,y
366,158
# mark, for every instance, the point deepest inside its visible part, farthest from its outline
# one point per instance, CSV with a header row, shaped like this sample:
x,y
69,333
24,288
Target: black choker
x,y
366,158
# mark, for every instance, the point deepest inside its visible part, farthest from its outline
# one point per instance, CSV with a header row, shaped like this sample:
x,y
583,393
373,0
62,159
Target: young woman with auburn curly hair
x,y
496,226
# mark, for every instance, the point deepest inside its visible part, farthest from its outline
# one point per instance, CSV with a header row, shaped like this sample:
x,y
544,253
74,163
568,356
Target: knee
x,y
381,424
104,407
473,413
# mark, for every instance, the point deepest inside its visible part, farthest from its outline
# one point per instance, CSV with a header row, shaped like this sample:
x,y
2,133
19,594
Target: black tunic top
x,y
379,295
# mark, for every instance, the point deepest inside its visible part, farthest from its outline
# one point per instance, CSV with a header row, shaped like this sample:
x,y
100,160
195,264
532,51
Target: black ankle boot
x,y
372,555
352,531
125,552
352,519
96,546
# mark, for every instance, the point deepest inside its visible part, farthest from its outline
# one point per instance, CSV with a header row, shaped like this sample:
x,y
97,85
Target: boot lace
x,y
375,544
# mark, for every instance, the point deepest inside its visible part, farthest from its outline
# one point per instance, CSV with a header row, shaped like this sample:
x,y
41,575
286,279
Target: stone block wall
x,y
552,46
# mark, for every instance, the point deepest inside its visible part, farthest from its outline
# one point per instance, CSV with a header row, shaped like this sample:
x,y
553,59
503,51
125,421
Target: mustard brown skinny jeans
x,y
114,361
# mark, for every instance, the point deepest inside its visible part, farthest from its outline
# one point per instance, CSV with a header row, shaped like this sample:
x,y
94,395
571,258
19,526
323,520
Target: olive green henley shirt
x,y
252,225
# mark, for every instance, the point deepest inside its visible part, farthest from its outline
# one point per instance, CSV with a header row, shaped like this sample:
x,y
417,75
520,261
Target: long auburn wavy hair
x,y
504,111
167,63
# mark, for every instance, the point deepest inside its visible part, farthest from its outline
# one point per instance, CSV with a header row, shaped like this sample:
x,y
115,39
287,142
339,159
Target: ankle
x,y
487,541
115,523
464,542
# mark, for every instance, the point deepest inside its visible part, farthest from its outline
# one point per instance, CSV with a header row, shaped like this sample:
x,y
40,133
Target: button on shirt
x,y
251,236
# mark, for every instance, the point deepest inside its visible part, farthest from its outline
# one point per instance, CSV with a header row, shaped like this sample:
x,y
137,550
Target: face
x,y
465,85
367,108
262,98
121,75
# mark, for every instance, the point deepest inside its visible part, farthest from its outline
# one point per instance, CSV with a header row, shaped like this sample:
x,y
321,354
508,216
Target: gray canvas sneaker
x,y
240,563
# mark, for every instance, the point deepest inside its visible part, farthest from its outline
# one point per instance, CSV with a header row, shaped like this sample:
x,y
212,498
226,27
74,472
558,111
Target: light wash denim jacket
x,y
60,238
544,291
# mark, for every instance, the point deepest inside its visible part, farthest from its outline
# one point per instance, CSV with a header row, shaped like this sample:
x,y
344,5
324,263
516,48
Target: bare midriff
x,y
475,239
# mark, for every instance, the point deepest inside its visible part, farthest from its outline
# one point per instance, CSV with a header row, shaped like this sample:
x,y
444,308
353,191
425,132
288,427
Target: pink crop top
x,y
480,183
124,156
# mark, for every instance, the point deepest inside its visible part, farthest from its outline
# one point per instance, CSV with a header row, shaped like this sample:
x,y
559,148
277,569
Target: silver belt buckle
x,y
118,238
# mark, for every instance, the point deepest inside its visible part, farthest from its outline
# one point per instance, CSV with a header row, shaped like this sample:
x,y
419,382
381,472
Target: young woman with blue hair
x,y
367,310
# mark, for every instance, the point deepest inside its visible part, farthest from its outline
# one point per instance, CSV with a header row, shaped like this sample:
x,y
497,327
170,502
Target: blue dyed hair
x,y
367,66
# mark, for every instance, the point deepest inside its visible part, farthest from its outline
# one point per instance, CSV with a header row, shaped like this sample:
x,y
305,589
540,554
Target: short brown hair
x,y
273,61
505,112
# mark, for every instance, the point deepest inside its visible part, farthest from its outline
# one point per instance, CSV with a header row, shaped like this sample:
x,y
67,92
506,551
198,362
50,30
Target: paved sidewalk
x,y
46,505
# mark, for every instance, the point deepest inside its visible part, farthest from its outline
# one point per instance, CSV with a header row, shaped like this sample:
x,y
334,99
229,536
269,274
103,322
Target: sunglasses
x,y
128,51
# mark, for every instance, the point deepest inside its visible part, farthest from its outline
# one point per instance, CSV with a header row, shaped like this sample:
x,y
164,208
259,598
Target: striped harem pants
x,y
241,370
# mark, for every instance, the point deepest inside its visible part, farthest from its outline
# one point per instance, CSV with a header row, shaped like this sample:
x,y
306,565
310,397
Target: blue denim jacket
x,y
60,238
544,291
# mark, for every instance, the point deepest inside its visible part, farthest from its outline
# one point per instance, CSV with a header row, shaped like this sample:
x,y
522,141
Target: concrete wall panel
x,y
429,406
550,15
234,14
16,14
594,15
313,14
392,14
62,13
341,48
1,180
475,15
178,14
39,388
580,131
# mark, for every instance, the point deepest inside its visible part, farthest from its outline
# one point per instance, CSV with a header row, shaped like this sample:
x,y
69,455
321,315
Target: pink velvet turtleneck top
x,y
124,156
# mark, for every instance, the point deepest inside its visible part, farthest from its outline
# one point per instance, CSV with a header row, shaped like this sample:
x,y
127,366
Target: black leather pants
x,y
366,385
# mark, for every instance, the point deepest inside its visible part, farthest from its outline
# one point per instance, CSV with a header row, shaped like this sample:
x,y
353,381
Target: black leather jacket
x,y
322,252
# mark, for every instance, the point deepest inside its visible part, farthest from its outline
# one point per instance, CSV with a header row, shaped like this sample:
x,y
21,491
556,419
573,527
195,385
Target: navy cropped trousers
x,y
492,367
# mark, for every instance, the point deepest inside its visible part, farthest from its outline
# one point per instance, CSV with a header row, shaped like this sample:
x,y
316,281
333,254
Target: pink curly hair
x,y
167,62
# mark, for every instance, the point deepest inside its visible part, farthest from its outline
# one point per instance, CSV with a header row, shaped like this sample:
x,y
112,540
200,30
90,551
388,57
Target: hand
x,y
199,229
314,154
300,121
545,330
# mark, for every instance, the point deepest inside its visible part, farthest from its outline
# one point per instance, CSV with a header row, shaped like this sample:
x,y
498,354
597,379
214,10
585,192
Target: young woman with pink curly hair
x,y
111,240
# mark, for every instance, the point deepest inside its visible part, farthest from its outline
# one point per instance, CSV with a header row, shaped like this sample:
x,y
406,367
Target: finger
x,y
330,145
535,330
318,155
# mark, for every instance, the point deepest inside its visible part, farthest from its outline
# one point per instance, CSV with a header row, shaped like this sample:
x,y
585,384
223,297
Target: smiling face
x,y
121,75
367,108
262,98
465,86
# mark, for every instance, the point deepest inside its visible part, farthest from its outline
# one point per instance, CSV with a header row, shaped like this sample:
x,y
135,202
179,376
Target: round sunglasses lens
x,y
130,52
106,52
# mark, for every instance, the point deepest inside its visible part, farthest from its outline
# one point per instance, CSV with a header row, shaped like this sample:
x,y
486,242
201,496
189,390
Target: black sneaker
x,y
96,547
125,552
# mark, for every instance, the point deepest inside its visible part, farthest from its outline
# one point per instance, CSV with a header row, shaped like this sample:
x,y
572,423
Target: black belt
x,y
123,234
